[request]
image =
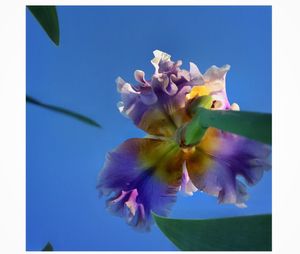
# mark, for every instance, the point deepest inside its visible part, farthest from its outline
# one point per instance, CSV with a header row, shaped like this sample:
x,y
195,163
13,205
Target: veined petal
x,y
220,158
141,175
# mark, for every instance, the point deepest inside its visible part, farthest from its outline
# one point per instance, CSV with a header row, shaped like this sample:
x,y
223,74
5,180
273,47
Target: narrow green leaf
x,y
246,233
64,111
48,247
47,17
253,125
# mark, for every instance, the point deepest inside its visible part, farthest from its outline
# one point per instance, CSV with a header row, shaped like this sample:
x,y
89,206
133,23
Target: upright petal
x,y
220,158
157,105
159,56
140,176
140,105
196,75
215,80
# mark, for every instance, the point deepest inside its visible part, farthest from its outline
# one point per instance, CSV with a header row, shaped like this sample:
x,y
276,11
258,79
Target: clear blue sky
x,y
97,45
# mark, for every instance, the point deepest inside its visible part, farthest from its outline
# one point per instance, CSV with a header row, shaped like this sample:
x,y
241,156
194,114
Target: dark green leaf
x,y
47,17
247,233
253,125
48,247
67,112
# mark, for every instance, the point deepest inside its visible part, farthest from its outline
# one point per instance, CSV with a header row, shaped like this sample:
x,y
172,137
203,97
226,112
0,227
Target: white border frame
x,y
285,88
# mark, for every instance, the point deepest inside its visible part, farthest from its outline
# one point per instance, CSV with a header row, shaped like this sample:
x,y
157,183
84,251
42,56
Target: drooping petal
x,y
139,176
220,158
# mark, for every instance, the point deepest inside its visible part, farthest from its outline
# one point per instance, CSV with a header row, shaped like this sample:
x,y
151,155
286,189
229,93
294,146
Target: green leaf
x,y
48,247
47,17
64,111
247,233
253,125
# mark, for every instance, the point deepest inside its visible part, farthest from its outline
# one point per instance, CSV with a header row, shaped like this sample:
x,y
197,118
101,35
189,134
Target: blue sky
x,y
97,45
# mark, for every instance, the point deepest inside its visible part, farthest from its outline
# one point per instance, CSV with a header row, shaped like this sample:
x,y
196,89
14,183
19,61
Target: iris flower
x,y
145,174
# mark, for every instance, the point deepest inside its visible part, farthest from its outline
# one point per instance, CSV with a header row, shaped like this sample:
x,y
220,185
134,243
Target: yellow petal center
x,y
197,91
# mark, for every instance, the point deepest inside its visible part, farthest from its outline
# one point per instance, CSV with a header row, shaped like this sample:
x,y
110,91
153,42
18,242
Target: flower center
x,y
183,141
197,91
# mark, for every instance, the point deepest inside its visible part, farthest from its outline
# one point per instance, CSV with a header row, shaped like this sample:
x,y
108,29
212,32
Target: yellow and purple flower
x,y
145,174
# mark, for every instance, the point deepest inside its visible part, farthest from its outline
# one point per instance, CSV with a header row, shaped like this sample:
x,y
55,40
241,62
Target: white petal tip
x,y
139,76
120,83
158,56
119,80
226,67
235,107
162,55
194,70
120,106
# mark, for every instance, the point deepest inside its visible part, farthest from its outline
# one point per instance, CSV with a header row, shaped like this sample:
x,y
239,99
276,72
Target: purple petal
x,y
140,77
140,176
156,113
187,187
220,158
